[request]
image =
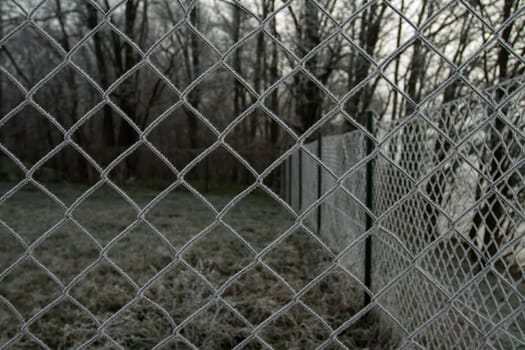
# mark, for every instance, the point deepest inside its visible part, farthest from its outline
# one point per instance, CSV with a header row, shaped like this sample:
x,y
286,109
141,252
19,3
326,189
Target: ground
x,y
123,276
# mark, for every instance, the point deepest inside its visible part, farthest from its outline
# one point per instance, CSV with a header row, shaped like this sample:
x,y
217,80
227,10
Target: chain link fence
x,y
444,269
465,252
406,230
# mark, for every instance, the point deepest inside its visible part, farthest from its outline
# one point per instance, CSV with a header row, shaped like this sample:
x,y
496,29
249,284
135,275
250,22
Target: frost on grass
x,y
108,275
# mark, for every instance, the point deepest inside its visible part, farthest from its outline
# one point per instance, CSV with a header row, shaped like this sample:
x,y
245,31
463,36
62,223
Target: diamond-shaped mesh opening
x,y
26,48
216,327
48,12
241,16
299,258
251,135
398,297
103,290
44,212
31,294
450,261
65,325
341,220
295,328
176,49
141,253
317,18
422,54
245,218
180,216
143,174
180,291
388,87
450,194
106,44
311,102
448,45
66,251
334,297
70,165
257,294
94,215
491,56
407,221
98,135
143,105
251,67
148,14
325,59
29,126
229,93
189,133
218,255
142,325
209,179
76,95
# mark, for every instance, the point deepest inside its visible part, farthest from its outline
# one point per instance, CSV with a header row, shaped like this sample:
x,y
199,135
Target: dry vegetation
x,y
99,296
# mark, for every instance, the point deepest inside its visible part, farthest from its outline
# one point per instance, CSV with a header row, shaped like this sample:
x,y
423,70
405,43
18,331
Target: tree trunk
x,y
359,68
308,98
128,99
492,211
194,97
108,129
273,76
437,182
239,99
1,80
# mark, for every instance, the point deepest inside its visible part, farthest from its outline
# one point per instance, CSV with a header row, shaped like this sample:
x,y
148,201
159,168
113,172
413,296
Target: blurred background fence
x,y
448,197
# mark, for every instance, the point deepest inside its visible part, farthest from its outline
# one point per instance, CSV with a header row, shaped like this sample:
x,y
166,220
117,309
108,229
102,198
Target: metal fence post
x,y
319,180
300,182
369,204
289,161
281,178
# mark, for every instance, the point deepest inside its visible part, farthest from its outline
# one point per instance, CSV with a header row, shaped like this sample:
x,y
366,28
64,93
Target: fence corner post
x,y
369,205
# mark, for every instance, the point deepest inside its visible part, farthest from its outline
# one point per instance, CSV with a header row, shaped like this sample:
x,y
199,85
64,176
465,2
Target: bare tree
x,y
490,215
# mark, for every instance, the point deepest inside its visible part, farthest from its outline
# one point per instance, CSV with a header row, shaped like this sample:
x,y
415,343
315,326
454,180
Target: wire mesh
x,y
442,276
461,262
448,188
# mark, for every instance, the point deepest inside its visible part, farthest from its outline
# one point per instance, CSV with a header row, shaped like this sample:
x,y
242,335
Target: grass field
x,y
125,286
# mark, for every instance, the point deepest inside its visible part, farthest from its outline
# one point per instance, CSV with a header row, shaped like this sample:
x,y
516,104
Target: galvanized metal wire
x,y
434,290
